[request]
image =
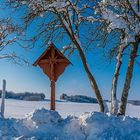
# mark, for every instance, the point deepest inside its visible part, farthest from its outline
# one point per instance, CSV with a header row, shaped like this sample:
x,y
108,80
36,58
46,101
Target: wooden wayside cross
x,y
53,63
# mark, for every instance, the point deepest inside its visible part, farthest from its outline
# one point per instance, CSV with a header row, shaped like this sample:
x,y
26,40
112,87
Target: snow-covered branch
x,y
68,49
8,33
15,59
122,15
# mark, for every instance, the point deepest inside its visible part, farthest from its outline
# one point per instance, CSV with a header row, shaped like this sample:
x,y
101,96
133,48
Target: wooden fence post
x,y
3,98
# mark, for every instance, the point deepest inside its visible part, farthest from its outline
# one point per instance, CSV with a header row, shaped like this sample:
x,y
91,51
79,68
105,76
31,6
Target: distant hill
x,y
86,99
27,96
78,98
134,102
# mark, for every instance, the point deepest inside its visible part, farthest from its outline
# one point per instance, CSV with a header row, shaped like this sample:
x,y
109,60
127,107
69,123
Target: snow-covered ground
x,y
19,108
42,124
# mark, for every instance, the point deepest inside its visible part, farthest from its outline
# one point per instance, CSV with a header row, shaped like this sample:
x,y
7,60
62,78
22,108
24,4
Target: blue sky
x,y
74,79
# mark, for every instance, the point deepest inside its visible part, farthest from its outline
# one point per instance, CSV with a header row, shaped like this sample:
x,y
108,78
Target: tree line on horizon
x,y
28,96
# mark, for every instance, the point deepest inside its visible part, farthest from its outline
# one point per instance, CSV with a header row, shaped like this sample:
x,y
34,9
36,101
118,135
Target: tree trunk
x,y
90,77
114,103
128,79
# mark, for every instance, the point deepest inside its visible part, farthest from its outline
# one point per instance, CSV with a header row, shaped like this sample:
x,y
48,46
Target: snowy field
x,y
19,108
32,120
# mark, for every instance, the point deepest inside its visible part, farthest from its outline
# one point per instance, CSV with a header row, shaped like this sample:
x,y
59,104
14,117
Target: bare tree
x,y
124,16
8,36
61,19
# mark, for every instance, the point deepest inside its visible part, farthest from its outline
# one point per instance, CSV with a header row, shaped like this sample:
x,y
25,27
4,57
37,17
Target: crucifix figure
x,y
53,63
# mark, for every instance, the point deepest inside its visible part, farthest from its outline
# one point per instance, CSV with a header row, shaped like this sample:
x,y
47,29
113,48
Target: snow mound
x,y
7,130
43,124
101,126
48,125
43,116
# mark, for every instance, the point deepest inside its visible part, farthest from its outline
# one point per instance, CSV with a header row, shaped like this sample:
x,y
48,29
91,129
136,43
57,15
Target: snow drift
x,y
43,124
